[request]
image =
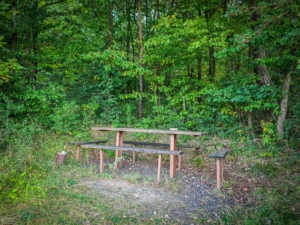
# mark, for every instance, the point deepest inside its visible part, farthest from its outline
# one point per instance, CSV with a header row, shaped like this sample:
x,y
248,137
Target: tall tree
x,y
140,102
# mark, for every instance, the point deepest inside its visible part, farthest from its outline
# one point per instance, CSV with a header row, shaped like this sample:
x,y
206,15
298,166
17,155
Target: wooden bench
x,y
80,143
219,156
122,148
138,143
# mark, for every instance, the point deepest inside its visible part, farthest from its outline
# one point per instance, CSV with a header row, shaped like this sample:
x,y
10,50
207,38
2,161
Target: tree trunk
x,y
140,103
14,36
212,64
111,8
35,62
283,104
199,67
263,70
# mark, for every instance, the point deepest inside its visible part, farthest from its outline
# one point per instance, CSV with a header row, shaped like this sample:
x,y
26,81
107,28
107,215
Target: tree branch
x,y
52,3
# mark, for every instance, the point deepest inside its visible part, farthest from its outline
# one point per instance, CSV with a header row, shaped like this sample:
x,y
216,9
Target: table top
x,y
154,131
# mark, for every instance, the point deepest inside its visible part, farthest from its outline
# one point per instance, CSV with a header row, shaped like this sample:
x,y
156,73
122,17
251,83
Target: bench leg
x,y
77,153
101,160
159,168
218,164
133,155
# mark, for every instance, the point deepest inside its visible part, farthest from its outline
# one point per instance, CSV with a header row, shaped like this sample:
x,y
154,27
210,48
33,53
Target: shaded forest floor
x,y
190,198
255,190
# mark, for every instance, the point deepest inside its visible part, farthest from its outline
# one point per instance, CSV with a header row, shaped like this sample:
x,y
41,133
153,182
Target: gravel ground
x,y
184,200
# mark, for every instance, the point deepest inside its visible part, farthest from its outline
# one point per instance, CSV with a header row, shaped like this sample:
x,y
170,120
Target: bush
x,y
65,118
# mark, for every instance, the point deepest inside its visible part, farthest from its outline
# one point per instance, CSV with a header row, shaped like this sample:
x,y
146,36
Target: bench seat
x,y
122,148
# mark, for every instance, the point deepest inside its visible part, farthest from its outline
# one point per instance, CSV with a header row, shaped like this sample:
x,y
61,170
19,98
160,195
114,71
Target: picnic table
x,y
173,137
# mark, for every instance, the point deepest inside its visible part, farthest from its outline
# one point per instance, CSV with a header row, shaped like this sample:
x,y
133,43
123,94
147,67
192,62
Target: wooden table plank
x,y
153,131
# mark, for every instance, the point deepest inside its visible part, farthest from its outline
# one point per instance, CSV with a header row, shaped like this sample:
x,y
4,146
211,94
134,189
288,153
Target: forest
x,y
226,67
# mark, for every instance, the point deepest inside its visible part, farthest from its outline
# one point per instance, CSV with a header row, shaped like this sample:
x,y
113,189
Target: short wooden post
x,y
101,160
218,161
159,168
77,153
221,168
219,156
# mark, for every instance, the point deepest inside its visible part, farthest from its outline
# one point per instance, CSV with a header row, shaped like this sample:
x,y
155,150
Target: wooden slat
x,y
155,144
122,148
146,143
153,131
86,142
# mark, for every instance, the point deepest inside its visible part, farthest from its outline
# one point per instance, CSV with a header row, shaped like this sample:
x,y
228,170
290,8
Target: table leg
x,y
173,147
119,142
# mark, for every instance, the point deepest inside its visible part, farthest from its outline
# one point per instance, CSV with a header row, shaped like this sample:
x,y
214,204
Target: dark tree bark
x,y
111,8
14,37
199,67
140,102
212,64
284,103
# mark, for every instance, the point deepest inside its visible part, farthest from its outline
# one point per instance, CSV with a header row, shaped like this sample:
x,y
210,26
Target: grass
x,y
34,190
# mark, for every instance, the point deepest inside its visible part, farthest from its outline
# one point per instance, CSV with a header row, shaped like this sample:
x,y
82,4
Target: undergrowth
x,y
33,189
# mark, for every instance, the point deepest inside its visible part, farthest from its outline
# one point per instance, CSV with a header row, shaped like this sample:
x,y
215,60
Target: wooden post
x,y
77,153
218,173
221,167
101,160
173,147
119,142
159,168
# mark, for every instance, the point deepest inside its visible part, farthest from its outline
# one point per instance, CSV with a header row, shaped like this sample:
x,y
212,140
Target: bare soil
x,y
189,198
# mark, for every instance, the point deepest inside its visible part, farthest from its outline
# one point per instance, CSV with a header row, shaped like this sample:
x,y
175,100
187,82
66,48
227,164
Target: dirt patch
x,y
187,198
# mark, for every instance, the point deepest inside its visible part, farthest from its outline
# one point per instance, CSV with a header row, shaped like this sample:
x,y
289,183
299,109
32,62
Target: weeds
x,y
34,190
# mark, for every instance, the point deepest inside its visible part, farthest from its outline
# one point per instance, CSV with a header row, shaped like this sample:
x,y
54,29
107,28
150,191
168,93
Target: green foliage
x,y
65,117
110,154
198,162
269,136
21,176
7,66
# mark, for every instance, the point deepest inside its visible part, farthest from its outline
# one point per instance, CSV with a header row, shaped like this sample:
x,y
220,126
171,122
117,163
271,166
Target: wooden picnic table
x,y
173,137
